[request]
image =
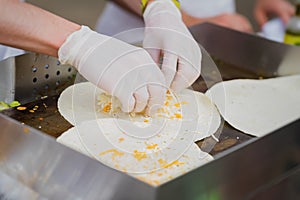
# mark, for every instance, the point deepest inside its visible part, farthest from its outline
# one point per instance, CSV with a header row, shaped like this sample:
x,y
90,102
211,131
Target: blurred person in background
x,y
120,16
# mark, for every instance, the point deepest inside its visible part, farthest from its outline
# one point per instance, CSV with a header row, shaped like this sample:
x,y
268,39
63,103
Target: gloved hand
x,y
122,70
166,35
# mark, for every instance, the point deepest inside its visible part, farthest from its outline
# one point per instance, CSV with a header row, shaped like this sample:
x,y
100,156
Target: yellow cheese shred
x,y
107,107
153,146
114,152
177,105
176,162
139,155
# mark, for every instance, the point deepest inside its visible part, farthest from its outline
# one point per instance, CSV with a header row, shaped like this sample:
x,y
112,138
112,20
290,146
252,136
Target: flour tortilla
x,y
78,104
258,107
100,139
191,159
104,138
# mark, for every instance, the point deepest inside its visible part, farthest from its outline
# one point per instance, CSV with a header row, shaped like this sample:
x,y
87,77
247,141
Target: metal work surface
x,y
250,52
42,115
245,167
33,164
244,173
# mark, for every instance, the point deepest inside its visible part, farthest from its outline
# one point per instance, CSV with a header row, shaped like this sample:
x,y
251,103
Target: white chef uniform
x,y
6,52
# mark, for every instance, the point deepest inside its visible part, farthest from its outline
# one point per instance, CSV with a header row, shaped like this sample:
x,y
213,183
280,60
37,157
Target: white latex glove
x,y
166,35
122,70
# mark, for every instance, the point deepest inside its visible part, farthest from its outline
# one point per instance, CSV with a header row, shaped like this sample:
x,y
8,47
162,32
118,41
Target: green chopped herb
x,y
12,104
3,105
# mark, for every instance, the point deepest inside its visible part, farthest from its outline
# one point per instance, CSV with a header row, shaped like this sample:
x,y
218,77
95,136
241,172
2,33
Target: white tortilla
x,y
100,139
108,135
79,98
258,107
191,159
79,103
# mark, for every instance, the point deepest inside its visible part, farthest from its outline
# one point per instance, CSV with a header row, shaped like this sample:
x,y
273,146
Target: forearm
x,y
27,27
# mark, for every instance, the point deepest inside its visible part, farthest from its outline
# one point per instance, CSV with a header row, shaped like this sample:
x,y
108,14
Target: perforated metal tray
x,y
29,77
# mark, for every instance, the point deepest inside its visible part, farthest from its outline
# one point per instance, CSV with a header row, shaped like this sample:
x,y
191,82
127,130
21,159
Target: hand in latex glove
x,y
281,8
166,35
122,70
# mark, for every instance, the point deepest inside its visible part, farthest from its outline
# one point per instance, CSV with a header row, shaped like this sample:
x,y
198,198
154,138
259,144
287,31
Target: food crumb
x,y
156,182
153,146
178,115
21,108
121,139
176,162
107,107
35,108
159,174
177,105
169,97
26,130
162,162
114,153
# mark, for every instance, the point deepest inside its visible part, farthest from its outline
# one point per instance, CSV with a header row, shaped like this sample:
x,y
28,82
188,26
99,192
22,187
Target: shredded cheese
x,y
107,107
114,152
178,115
176,162
153,146
139,155
177,105
121,139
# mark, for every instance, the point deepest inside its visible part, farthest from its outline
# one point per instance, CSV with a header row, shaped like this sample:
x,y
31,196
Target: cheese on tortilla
x,y
84,101
191,159
155,159
258,107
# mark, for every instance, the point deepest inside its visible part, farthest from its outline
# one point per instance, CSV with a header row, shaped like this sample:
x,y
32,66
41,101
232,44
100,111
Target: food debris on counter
x,y
21,108
26,130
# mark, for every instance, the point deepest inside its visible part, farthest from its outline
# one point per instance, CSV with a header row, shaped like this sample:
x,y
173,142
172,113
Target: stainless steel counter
x,y
34,166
